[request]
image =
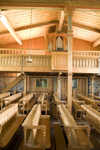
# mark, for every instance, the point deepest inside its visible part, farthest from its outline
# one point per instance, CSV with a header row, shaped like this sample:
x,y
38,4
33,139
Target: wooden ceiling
x,y
85,22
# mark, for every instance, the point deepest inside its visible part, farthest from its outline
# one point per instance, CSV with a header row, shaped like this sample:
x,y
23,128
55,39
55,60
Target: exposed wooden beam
x,y
61,20
45,24
82,27
97,42
52,3
9,27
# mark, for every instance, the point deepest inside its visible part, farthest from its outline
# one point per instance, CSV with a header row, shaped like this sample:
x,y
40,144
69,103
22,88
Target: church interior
x,y
50,75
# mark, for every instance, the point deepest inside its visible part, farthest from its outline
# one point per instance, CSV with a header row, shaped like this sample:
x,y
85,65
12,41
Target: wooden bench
x,y
94,103
57,100
77,139
11,99
39,126
10,120
44,103
26,103
3,96
92,116
59,137
97,97
76,105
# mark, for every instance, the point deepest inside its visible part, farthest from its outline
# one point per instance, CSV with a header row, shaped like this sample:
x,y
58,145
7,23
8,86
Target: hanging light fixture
x,y
29,60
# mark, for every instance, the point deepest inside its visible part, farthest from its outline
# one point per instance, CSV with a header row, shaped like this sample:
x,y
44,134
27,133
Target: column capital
x,y
70,33
69,11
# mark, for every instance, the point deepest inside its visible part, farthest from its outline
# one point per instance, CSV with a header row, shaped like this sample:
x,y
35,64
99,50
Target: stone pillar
x,y
69,12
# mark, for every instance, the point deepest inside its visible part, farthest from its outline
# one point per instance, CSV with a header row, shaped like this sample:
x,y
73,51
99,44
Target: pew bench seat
x,y
36,129
10,121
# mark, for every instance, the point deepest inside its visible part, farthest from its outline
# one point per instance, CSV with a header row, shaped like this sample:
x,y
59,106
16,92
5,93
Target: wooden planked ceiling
x,y
86,24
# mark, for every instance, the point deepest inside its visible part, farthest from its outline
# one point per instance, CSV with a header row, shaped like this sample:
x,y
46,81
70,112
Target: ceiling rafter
x,y
82,27
9,27
44,24
97,42
61,20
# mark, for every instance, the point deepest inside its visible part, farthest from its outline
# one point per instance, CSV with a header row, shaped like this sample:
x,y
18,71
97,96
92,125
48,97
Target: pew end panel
x,y
39,127
78,109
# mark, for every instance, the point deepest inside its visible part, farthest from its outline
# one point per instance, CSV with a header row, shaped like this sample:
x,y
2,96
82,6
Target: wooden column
x,y
58,85
69,12
64,48
92,84
46,41
54,43
86,86
25,83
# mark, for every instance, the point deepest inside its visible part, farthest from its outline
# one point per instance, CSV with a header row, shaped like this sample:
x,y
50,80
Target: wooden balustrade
x,y
85,62
49,61
86,53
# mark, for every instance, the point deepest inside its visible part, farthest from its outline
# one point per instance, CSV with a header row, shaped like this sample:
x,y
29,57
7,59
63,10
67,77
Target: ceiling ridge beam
x,y
52,3
9,28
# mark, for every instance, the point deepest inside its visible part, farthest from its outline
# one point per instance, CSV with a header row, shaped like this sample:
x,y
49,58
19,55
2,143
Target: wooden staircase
x,y
13,83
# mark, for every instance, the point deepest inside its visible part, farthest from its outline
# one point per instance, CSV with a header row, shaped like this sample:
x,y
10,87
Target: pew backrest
x,y
7,113
12,98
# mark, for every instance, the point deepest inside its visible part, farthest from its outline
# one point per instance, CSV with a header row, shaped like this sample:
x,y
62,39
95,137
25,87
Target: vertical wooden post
x,y
92,84
25,83
69,12
86,86
64,48
58,85
54,43
46,41
28,84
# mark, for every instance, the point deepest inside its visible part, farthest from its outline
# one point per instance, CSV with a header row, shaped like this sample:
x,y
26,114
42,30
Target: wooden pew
x,y
3,96
11,99
94,103
97,97
92,116
39,125
57,100
77,139
76,105
26,103
44,103
10,120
